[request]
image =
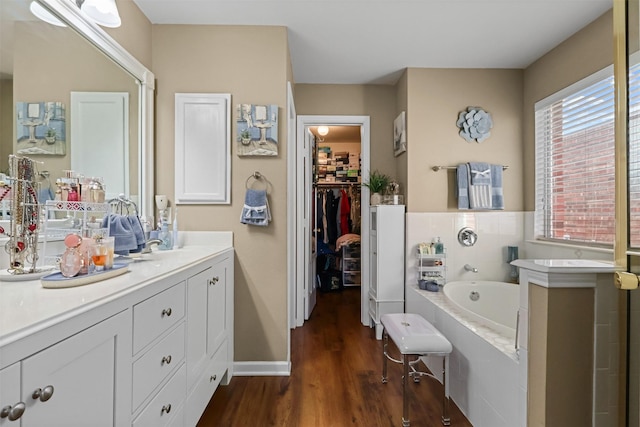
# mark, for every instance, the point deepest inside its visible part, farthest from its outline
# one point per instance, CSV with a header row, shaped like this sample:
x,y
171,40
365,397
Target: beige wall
x,y
65,63
225,59
135,32
434,99
375,101
401,161
587,51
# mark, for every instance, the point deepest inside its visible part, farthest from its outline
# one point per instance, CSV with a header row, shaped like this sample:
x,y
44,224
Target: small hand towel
x,y
479,195
480,173
463,186
124,239
136,228
256,208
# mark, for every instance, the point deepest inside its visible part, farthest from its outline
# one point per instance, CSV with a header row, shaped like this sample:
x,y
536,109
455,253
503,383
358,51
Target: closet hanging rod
x,y
336,184
437,168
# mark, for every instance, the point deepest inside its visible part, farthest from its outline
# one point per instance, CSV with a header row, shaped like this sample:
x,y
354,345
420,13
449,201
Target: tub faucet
x,y
470,268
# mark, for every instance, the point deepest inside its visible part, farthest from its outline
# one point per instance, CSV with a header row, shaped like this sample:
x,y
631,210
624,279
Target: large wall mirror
x,y
53,82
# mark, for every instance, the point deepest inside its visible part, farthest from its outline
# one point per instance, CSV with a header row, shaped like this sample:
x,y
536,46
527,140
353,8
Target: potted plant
x,y
50,136
377,184
245,136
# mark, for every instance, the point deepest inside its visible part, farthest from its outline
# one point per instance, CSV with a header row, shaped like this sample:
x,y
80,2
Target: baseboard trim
x,y
261,369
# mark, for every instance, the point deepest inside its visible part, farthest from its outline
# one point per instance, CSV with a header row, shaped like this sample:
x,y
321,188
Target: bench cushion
x,y
412,334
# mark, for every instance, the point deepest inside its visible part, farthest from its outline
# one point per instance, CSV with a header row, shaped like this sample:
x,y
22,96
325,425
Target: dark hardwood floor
x,y
335,380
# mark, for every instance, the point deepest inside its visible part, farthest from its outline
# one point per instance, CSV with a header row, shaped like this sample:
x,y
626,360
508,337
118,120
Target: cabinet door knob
x,y
12,412
166,409
166,359
43,394
214,280
166,312
212,378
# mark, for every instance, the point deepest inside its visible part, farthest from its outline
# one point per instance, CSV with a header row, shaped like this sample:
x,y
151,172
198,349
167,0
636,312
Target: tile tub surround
x,y
483,367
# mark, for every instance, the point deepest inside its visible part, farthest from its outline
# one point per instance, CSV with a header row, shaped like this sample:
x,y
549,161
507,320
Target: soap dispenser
x,y
165,236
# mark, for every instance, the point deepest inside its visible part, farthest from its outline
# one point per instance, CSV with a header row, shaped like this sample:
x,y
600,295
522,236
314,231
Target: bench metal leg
x,y
446,420
405,391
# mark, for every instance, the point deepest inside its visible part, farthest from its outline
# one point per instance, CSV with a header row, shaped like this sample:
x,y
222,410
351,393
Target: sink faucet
x,y
148,243
470,268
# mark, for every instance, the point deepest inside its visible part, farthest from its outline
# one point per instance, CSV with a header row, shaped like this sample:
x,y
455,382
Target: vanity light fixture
x,y
43,14
102,12
323,130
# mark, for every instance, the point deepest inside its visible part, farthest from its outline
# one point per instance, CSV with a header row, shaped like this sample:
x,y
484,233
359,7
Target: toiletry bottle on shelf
x,y
438,246
165,236
175,228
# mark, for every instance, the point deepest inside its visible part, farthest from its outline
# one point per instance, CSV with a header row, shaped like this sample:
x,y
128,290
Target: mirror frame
x,y
75,19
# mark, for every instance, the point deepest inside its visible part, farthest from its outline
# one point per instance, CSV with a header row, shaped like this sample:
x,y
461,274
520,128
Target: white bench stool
x,y
414,336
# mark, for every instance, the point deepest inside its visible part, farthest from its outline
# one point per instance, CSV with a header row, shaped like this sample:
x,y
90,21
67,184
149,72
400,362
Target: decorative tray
x,y
57,280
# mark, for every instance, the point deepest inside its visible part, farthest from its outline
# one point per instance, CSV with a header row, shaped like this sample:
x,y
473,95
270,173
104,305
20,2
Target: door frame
x,y
298,258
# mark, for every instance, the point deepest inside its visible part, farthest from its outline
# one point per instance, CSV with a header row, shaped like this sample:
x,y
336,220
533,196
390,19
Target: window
x,y
575,163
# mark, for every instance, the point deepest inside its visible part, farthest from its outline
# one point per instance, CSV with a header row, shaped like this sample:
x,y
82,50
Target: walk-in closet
x,y
336,206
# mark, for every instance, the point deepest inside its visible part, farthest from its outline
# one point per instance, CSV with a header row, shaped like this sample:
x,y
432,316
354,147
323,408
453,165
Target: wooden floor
x,y
335,380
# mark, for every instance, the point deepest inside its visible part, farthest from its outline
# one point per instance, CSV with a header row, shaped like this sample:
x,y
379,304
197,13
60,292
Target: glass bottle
x,y
165,236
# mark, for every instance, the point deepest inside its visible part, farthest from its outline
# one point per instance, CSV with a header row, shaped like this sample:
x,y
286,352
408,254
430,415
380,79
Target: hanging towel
x,y
480,173
256,208
120,228
497,197
479,194
138,233
463,186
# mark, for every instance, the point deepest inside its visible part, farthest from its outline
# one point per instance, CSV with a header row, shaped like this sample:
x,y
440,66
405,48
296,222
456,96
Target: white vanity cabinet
x,y
386,262
11,407
119,352
209,334
76,382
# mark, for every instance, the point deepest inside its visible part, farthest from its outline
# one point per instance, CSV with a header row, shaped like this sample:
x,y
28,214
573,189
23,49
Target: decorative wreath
x,y
475,124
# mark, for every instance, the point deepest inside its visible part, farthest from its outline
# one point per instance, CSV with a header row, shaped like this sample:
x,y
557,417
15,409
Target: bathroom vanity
x,y
148,347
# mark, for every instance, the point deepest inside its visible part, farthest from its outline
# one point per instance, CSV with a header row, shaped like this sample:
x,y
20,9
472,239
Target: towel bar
x,y
437,168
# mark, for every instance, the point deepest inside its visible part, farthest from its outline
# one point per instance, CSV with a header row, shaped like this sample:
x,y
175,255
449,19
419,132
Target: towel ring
x,y
258,177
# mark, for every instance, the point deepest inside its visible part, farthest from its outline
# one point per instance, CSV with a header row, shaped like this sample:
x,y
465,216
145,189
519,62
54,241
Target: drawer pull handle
x,y
212,378
43,394
166,359
12,412
214,280
166,312
165,409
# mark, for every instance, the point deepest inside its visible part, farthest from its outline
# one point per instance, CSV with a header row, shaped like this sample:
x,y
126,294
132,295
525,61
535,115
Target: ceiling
x,y
372,41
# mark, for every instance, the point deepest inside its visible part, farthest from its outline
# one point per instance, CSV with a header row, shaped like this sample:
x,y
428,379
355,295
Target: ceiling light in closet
x,y
323,130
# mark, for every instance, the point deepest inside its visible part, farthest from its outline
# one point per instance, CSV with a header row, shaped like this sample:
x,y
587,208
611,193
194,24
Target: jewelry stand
x,y
24,218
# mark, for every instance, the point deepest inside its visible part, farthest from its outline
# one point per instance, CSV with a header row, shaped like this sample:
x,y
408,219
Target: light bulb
x,y
323,130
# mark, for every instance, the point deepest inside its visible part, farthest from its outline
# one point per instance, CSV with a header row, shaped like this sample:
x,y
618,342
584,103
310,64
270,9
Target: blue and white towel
x,y
256,208
479,186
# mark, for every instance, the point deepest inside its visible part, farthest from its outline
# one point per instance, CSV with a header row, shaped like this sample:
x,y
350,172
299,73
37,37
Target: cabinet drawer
x,y
157,314
351,278
156,364
200,395
351,264
162,409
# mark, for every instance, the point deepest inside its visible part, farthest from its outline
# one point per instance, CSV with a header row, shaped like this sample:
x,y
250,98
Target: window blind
x,y
634,156
575,163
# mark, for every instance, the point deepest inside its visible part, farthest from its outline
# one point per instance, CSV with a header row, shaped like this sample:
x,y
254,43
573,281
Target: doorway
x,y
303,177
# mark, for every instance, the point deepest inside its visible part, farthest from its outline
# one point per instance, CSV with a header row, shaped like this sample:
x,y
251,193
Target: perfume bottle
x,y
72,261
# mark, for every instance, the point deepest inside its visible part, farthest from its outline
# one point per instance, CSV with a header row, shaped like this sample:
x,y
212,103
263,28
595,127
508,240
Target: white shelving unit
x,y
386,262
351,265
432,267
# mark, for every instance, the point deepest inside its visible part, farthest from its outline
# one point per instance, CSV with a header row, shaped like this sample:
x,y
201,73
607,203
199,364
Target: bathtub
x,y
493,304
484,367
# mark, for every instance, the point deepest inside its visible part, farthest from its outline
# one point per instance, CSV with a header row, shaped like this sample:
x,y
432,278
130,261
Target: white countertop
x,y
565,265
25,306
